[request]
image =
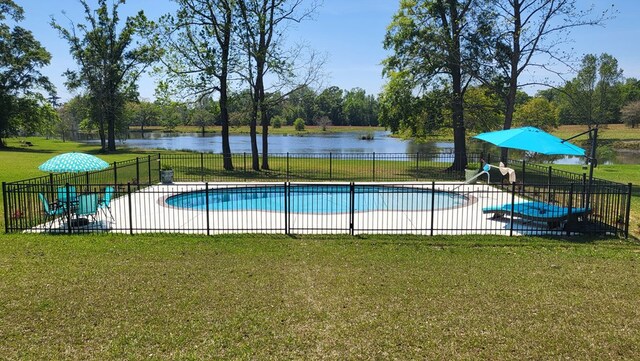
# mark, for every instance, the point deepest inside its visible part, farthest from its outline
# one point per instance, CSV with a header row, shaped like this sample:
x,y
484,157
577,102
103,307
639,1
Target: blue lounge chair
x,y
51,211
537,211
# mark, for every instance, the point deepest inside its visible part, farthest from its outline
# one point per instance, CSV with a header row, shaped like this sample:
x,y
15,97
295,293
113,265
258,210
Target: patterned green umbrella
x,y
73,162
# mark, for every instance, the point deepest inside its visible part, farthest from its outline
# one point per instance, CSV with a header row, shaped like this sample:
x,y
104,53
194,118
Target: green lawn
x,y
274,297
331,297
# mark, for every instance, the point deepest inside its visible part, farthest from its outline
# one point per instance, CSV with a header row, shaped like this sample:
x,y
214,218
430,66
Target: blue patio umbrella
x,y
531,139
73,162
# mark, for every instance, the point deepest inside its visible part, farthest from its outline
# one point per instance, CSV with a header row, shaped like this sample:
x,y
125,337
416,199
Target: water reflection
x,y
347,142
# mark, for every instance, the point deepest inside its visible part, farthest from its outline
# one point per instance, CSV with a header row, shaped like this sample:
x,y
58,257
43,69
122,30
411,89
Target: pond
x,y
343,142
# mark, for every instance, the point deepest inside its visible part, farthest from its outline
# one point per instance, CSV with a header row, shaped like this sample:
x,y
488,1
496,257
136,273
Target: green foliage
x,y
110,58
299,124
482,110
277,121
22,57
537,112
631,114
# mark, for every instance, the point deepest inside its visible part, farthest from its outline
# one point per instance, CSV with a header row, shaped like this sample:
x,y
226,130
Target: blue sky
x,y
349,32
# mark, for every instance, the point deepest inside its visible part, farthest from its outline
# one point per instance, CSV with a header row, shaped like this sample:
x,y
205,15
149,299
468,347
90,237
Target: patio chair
x,y
104,204
62,195
51,212
536,211
87,206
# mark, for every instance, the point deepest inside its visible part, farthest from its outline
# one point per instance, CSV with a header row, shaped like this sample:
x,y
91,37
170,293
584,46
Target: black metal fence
x,y
140,204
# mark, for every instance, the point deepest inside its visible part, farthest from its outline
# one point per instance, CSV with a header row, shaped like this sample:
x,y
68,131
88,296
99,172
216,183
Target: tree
x,y
537,112
199,41
329,103
631,114
142,114
482,110
204,113
109,62
527,34
299,124
21,57
433,41
263,22
72,114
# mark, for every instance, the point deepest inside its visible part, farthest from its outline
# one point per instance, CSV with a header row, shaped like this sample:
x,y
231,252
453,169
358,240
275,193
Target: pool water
x,y
317,199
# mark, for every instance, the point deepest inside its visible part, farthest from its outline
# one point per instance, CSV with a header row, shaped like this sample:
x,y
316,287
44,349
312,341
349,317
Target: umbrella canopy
x,y
73,162
531,139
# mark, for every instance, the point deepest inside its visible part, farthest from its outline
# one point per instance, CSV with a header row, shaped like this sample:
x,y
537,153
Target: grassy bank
x,y
272,297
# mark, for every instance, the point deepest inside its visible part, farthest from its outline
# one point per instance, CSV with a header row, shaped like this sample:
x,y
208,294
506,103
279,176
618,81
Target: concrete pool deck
x,y
145,211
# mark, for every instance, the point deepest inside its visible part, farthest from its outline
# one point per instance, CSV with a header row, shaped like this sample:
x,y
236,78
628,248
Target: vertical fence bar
x,y
159,167
206,202
68,206
513,207
352,201
287,166
330,166
286,208
549,175
524,170
115,172
418,168
130,208
6,208
373,174
138,172
51,190
628,215
244,165
201,167
149,169
570,208
433,204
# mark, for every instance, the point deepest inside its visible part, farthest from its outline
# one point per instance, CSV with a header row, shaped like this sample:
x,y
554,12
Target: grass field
x,y
275,297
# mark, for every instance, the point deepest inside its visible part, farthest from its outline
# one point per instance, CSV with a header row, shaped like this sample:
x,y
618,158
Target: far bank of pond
x,y
338,142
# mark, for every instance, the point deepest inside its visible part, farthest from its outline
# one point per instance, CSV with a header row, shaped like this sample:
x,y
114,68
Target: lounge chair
x,y
62,195
51,211
536,211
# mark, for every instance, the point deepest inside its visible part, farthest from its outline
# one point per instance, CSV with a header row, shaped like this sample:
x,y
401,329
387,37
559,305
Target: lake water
x,y
345,142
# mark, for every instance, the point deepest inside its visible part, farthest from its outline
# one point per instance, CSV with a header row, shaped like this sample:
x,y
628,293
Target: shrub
x,y
277,121
298,124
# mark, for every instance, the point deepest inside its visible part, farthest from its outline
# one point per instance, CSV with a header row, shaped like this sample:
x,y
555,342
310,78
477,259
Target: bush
x,y
277,121
298,124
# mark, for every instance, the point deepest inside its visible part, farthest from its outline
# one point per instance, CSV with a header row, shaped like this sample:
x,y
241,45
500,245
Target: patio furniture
x,y
62,195
104,204
87,207
51,210
536,211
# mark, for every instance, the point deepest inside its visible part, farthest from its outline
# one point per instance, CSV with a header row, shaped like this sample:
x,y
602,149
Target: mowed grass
x,y
274,297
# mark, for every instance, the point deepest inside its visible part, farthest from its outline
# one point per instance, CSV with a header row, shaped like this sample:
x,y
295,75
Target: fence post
x,y
130,208
149,169
201,167
287,166
115,172
570,209
627,217
159,167
352,196
513,207
286,208
418,167
51,190
524,170
433,204
330,166
68,206
244,165
549,175
6,208
373,175
206,195
138,172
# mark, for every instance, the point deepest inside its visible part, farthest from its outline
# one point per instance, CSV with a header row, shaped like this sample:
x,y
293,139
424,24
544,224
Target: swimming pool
x,y
318,198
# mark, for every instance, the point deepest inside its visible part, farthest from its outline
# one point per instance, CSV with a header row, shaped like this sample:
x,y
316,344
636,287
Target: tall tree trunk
x,y
510,100
255,159
265,139
459,132
225,44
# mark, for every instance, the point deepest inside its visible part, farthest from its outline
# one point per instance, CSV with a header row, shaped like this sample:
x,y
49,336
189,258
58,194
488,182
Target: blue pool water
x,y
317,199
